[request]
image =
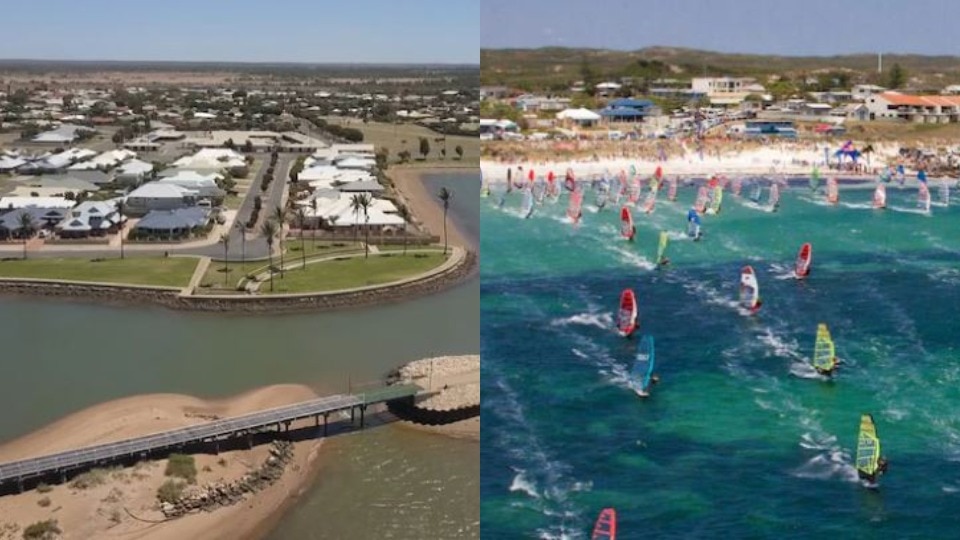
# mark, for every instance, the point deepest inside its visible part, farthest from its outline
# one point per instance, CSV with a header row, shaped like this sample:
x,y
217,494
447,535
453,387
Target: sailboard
x,y
923,197
627,228
603,195
627,316
945,194
606,525
833,193
774,197
824,354
716,200
643,365
701,203
804,260
693,224
672,190
527,202
868,450
662,248
880,197
574,208
749,289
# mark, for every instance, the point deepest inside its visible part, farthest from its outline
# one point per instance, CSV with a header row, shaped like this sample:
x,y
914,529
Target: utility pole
x,y
880,63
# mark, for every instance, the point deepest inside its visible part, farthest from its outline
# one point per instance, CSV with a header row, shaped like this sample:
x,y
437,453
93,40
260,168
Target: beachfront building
x,y
579,117
177,224
532,104
133,172
770,128
14,202
606,89
42,218
90,218
726,90
497,128
105,161
65,134
862,92
929,109
628,110
204,186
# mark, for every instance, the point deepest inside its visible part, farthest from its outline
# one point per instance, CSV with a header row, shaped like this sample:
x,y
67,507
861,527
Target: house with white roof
x,y
158,196
133,172
12,203
65,134
581,117
90,218
336,210
205,185
212,158
106,160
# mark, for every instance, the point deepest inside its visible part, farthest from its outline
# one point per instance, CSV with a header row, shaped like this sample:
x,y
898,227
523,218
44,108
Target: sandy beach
x,y
425,206
125,503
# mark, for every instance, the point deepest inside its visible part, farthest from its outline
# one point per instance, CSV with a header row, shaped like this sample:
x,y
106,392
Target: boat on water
x,y
804,260
824,353
641,375
605,527
870,464
749,289
627,315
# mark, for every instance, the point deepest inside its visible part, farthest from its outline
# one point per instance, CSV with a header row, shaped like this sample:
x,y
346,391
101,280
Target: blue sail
x,y
643,365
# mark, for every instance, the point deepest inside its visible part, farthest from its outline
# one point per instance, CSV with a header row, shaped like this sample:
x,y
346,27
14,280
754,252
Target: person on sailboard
x,y
829,372
882,465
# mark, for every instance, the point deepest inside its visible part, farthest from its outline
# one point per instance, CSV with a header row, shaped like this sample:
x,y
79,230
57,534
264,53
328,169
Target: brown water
x,y
386,482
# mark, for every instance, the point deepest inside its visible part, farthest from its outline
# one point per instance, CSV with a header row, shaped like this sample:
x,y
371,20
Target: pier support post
x,y
249,440
353,411
326,420
363,408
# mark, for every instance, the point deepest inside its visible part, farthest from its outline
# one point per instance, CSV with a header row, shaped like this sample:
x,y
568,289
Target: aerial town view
x,y
720,270
239,278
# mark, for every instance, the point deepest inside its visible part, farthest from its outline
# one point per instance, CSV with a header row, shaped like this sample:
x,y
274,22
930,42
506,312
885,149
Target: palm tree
x,y
302,221
445,197
280,215
313,206
269,231
356,205
225,240
119,207
27,227
365,202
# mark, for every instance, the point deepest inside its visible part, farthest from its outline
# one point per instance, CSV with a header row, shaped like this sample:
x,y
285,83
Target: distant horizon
x,y
238,62
765,27
715,51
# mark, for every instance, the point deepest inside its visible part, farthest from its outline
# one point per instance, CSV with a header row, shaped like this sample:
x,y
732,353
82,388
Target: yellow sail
x,y
662,248
868,446
824,355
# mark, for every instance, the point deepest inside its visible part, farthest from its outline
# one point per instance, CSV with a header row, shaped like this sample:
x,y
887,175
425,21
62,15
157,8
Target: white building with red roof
x,y
929,109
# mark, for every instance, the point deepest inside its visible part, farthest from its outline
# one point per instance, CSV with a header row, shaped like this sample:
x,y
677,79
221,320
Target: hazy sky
x,y
394,31
789,27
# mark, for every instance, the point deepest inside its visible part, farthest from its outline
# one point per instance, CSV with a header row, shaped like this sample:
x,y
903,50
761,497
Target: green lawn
x,y
353,272
291,245
170,272
212,281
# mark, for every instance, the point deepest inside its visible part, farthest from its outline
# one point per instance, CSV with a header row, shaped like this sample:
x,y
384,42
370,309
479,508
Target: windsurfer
x,y
663,262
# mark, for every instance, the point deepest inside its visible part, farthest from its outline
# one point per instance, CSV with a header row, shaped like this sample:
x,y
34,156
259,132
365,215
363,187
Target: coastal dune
x,y
124,505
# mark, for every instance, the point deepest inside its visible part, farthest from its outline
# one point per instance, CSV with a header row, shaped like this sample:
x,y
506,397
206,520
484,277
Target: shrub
x,y
171,491
44,488
44,502
42,530
89,479
183,466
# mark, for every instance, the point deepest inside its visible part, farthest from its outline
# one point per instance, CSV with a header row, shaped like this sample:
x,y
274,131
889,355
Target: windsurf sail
x,y
573,209
945,193
774,196
635,190
815,179
570,182
735,186
672,190
627,316
484,187
701,203
693,224
643,366
650,202
662,247
824,355
880,196
539,191
923,197
627,229
509,180
606,525
868,448
755,194
749,289
833,193
716,200
603,195
804,260
527,203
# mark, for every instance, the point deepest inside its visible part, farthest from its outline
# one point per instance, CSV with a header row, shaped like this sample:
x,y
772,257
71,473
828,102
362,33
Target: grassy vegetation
x,y
181,466
91,479
391,136
353,272
44,488
42,530
232,202
171,491
160,271
44,502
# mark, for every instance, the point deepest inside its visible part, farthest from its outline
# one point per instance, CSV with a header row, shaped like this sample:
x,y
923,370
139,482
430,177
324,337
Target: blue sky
x,y
787,27
320,31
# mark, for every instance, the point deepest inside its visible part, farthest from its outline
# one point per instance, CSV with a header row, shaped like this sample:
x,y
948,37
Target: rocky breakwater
x,y
452,390
218,494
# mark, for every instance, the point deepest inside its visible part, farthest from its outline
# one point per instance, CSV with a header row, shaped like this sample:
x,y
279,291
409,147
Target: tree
x,y
225,240
248,147
229,144
356,204
119,207
424,147
365,202
459,151
897,77
27,226
589,76
302,222
445,196
269,230
280,214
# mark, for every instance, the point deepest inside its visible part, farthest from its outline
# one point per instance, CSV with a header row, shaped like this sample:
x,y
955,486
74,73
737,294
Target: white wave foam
x,y
523,484
780,346
600,320
830,464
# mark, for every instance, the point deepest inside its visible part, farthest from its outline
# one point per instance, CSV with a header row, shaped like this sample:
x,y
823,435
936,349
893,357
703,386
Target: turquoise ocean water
x,y
740,439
